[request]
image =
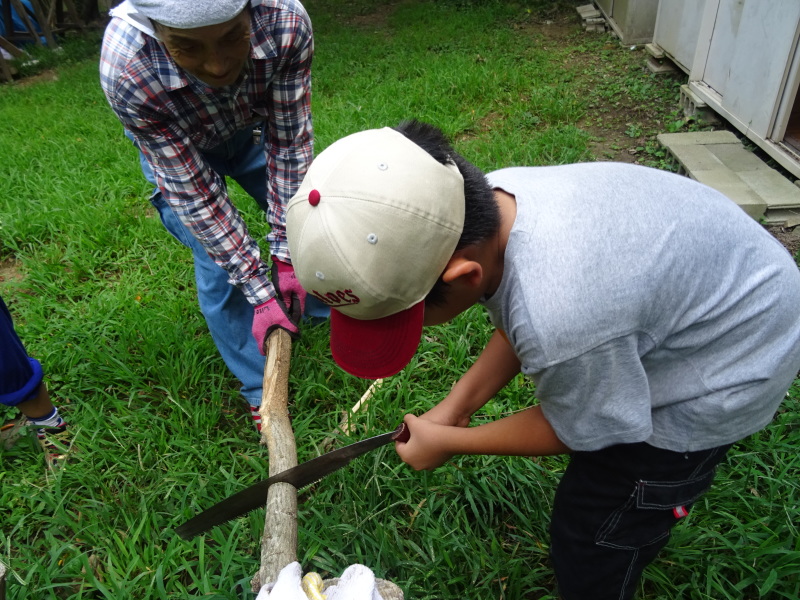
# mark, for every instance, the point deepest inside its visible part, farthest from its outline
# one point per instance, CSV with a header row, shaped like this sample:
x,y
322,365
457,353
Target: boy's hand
x,y
426,449
443,414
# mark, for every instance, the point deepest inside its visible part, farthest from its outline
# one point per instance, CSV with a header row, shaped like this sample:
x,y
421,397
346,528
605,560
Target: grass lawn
x,y
105,299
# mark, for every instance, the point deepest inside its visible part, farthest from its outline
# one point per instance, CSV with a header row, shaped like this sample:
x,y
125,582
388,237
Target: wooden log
x,y
279,540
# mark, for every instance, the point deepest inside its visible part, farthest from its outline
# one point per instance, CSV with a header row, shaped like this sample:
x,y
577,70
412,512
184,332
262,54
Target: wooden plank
x,y
10,48
23,14
73,13
41,17
5,74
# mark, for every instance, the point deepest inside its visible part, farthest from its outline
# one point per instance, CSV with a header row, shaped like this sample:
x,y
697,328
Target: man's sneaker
x,y
56,444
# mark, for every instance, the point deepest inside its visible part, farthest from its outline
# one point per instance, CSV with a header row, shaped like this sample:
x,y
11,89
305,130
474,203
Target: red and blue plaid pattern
x,y
174,116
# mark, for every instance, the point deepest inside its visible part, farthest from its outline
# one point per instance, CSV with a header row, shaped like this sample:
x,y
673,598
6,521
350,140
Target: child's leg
x,y
614,510
39,406
22,386
20,375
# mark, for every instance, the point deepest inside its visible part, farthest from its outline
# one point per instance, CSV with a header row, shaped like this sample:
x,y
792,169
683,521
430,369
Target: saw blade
x,y
300,476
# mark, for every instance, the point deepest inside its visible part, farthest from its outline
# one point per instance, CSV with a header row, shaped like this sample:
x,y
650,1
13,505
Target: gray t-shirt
x,y
645,306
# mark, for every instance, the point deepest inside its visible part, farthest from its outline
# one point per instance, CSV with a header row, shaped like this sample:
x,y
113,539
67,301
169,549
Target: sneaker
x,y
56,445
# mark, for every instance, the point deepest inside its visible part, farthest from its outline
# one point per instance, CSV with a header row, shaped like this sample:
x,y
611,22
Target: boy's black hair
x,y
481,214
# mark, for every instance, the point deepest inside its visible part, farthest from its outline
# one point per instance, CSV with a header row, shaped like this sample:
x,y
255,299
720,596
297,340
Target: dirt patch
x,y
9,271
49,75
626,106
11,431
370,16
789,237
621,117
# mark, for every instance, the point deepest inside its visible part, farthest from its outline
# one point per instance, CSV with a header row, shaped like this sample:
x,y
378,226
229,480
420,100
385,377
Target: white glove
x,y
356,583
287,586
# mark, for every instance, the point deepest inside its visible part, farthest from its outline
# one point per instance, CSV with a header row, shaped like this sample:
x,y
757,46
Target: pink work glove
x,y
268,316
285,310
288,288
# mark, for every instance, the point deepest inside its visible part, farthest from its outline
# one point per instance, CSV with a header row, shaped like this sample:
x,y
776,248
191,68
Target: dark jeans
x,y
20,375
227,312
614,510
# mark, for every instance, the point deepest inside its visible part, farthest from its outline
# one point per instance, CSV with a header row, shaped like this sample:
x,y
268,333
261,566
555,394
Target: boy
x,y
659,322
22,386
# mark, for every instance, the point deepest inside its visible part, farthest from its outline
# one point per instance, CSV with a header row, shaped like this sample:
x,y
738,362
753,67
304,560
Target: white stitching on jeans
x,y
628,573
708,477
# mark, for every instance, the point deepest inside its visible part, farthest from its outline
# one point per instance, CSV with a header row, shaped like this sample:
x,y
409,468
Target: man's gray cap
x,y
188,14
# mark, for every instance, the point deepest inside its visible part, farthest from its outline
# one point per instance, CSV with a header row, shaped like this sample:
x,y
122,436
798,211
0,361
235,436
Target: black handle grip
x,y
401,434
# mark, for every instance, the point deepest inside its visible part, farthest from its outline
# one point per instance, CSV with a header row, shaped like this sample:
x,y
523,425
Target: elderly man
x,y
208,89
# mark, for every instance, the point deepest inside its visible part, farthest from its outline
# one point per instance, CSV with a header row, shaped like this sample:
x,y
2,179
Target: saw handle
x,y
401,434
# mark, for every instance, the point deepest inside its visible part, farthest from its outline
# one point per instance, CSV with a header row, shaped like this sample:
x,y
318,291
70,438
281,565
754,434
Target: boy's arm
x,y
442,432
525,433
494,368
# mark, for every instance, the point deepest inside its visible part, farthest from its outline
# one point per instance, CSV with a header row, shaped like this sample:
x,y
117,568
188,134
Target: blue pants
x,y
613,511
227,312
20,375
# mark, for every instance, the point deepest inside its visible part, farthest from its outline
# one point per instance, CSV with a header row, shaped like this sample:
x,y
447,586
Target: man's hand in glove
x,y
288,288
287,587
268,316
357,583
285,310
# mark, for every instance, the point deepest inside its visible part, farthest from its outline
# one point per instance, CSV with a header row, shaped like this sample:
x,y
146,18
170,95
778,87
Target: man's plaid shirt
x,y
174,116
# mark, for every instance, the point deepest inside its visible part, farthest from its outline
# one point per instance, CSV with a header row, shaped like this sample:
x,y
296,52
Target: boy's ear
x,y
459,267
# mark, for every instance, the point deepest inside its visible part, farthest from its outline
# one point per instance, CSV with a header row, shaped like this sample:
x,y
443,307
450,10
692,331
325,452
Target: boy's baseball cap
x,y
370,231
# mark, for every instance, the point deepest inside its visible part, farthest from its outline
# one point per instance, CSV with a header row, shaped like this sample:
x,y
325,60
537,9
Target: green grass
x,y
105,299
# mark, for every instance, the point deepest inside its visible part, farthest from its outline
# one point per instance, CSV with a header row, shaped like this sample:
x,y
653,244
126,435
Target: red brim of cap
x,y
376,348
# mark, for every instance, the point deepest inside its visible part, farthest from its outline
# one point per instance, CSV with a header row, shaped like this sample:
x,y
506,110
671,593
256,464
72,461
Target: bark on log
x,y
279,541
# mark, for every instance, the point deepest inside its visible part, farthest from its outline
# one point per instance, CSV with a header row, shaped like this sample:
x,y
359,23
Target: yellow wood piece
x,y
312,586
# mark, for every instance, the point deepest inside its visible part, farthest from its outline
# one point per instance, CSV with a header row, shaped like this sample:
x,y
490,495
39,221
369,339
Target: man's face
x,y
215,54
